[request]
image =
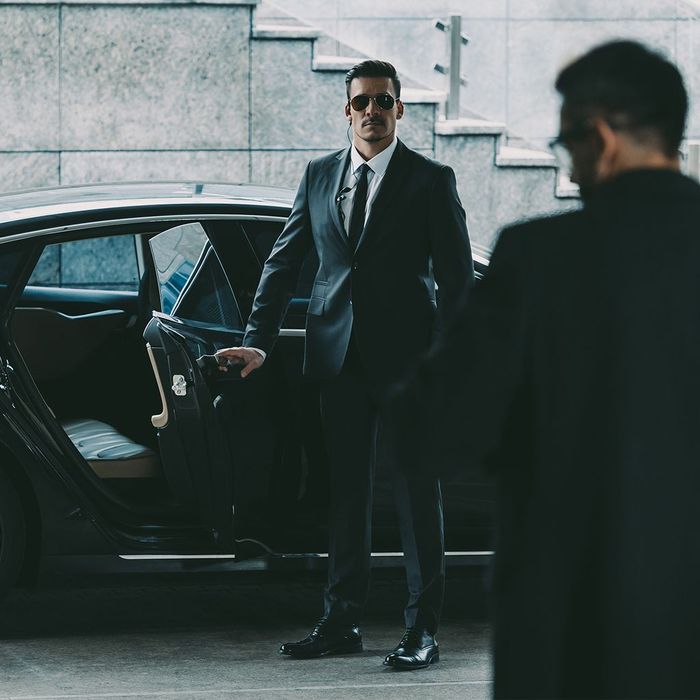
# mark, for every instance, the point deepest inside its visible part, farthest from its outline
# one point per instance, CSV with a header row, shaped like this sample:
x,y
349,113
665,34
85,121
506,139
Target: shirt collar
x,y
378,164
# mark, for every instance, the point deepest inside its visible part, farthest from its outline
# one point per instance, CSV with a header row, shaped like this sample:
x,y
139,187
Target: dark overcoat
x,y
573,375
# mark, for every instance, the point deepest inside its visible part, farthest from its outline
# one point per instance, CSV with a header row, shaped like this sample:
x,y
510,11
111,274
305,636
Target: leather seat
x,y
110,454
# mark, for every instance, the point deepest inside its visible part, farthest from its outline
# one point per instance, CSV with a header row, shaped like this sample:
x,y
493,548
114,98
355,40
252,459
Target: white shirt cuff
x,y
260,352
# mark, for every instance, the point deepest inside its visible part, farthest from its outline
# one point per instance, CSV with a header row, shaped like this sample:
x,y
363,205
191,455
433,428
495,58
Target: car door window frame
x,y
200,267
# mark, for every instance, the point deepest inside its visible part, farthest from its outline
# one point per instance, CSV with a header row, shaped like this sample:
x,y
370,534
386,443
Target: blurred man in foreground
x,y
582,345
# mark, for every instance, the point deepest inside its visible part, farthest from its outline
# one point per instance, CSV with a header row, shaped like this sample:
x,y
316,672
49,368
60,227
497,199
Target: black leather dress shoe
x,y
417,649
325,639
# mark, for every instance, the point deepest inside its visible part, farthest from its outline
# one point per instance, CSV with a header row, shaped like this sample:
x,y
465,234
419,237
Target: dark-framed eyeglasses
x,y
383,100
572,135
561,144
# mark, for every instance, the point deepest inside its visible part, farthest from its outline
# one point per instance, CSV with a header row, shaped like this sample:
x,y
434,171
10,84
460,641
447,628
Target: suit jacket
x,y
574,376
384,289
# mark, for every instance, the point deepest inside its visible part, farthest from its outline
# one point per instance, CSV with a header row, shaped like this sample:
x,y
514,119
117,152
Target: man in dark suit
x,y
387,225
574,375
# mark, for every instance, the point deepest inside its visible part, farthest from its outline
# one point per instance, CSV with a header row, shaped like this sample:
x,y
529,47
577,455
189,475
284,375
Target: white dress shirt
x,y
378,166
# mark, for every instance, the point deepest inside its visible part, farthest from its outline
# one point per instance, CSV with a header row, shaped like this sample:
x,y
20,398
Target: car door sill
x,y
312,555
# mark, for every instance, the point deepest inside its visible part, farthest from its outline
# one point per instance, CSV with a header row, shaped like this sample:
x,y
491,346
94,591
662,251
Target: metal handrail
x,y
456,41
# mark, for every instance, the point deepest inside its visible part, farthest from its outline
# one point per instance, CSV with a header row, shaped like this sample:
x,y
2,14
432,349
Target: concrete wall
x,y
122,90
516,46
95,92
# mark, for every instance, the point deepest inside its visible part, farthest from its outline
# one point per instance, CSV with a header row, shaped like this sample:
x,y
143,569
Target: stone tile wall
x,y
158,90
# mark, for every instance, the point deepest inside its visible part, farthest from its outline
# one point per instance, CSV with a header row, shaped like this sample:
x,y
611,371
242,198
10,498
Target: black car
x,y
119,441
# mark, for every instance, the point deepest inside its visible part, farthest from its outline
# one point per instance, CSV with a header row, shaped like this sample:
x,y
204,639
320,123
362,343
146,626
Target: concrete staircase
x,y
498,183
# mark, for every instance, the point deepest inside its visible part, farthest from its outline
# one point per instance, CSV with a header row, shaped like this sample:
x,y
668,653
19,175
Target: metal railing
x,y
456,40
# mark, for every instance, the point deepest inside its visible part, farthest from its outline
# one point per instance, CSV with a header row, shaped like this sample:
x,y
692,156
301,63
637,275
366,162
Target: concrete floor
x,y
218,638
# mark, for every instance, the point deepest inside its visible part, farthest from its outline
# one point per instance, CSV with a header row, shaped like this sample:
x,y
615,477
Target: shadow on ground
x,y
94,605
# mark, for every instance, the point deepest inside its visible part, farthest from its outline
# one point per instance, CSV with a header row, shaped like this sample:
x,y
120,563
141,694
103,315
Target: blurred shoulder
x,y
542,228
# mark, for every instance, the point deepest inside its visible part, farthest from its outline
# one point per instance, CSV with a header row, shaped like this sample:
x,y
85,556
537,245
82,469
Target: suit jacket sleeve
x,y
454,410
450,249
280,274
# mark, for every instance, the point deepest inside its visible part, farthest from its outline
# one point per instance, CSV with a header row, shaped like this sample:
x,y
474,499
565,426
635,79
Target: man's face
x,y
582,142
373,124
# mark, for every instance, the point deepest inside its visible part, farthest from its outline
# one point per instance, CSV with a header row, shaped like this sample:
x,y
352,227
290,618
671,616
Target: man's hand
x,y
252,359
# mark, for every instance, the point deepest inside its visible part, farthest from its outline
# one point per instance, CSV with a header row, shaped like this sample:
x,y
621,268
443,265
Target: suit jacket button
x,y
354,267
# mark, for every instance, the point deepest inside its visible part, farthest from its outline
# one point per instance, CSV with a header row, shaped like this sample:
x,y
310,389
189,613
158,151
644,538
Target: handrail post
x,y
457,40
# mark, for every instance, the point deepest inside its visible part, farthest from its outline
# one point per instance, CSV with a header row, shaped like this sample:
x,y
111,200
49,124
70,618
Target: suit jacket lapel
x,y
337,174
389,188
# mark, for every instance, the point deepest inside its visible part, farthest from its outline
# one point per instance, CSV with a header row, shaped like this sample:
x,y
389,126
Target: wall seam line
x,y
60,94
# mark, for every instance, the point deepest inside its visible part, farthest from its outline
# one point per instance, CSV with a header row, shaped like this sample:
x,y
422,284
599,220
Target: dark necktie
x,y
359,202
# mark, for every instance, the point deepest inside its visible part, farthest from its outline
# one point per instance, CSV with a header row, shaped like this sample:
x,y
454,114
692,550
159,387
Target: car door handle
x,y
210,364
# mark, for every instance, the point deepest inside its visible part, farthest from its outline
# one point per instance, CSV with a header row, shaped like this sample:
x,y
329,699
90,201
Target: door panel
x,y
193,446
78,301
201,316
73,338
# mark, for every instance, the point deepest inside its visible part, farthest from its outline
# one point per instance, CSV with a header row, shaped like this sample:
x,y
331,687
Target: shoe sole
x,y
335,651
413,667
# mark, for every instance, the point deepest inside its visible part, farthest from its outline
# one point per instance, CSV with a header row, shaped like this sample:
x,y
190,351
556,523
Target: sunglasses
x,y
383,100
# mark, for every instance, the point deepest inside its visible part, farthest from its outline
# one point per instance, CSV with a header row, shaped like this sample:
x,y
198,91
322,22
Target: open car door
x,y
198,316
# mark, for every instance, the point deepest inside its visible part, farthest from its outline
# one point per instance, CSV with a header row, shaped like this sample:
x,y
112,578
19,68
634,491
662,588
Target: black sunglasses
x,y
383,100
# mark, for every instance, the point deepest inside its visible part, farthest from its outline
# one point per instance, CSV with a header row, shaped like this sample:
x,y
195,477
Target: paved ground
x,y
217,637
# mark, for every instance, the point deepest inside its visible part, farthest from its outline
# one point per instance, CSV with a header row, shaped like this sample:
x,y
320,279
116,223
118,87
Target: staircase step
x,y
525,158
340,64
285,31
418,96
458,127
566,189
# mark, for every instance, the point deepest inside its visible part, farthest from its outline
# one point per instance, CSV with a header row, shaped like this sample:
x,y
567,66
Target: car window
x,y
263,235
209,299
175,253
191,281
108,263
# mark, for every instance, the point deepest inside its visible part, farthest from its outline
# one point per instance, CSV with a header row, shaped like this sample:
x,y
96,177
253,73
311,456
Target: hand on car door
x,y
250,357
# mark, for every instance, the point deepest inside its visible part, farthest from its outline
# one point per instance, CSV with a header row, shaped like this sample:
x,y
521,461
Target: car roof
x,y
17,207
30,204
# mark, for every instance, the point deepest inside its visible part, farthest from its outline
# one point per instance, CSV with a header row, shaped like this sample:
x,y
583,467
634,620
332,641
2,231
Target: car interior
x,y
84,347
84,350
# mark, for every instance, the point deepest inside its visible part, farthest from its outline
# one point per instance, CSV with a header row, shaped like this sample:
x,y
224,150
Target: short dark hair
x,y
632,87
373,69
